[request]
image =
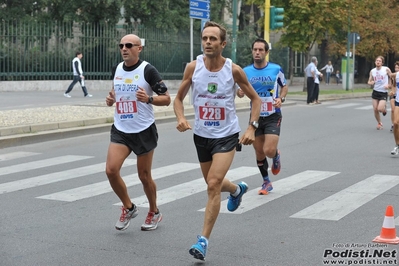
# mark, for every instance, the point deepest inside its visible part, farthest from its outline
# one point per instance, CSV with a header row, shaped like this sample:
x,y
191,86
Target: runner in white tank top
x,y
131,115
213,98
134,130
212,78
379,79
395,107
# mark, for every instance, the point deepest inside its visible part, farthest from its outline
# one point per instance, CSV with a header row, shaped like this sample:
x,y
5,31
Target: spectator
x,y
310,72
338,77
329,70
316,91
77,76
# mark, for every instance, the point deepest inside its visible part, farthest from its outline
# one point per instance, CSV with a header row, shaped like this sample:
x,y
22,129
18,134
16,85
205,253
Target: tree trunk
x,y
291,66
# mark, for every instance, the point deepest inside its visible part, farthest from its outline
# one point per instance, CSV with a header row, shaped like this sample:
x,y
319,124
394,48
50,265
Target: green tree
x,y
20,9
60,11
98,11
161,14
375,23
168,14
310,22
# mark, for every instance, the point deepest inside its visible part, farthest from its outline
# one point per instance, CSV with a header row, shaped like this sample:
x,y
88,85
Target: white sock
x,y
206,240
237,192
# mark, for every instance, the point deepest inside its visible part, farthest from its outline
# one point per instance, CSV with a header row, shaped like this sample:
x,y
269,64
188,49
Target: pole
x,y
191,39
267,24
191,50
353,70
234,42
347,53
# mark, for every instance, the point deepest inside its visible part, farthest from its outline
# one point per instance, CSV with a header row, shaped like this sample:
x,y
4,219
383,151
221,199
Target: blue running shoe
x,y
198,251
266,187
234,202
276,166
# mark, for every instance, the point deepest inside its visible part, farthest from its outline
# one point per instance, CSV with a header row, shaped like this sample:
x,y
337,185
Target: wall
x,y
62,85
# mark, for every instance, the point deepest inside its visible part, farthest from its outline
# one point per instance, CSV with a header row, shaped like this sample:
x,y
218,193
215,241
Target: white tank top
x,y
131,116
213,99
380,79
397,87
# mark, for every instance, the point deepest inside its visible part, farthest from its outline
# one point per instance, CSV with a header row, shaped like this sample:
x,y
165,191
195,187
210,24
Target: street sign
x,y
200,9
200,4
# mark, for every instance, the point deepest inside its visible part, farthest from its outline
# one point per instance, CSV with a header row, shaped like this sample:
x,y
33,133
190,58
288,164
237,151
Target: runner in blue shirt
x,y
269,82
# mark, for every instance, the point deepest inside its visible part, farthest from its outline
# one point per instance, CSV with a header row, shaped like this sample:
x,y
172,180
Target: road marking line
x,y
346,201
192,187
368,107
40,164
344,105
103,187
16,155
55,177
282,187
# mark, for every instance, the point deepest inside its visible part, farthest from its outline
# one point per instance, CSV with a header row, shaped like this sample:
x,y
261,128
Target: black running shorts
x,y
206,147
269,125
381,96
140,143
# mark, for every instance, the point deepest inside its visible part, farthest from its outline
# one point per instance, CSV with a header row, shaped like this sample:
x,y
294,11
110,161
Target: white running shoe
x,y
395,151
124,221
67,95
88,95
152,221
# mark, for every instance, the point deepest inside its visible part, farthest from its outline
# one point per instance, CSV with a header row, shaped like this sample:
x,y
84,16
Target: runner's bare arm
x,y
110,99
370,81
178,106
241,79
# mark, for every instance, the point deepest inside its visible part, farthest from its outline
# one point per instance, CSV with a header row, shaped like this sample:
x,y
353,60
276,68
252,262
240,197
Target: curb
x,y
332,97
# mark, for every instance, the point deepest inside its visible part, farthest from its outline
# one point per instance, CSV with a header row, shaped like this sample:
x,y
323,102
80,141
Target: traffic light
x,y
276,17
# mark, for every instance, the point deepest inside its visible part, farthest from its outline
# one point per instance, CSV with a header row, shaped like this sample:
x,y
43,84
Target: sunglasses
x,y
128,45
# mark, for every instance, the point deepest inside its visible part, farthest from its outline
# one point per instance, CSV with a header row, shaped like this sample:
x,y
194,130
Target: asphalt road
x,y
337,178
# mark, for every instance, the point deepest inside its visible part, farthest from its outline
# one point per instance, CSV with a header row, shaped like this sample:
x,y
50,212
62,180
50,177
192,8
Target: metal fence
x,y
44,51
38,51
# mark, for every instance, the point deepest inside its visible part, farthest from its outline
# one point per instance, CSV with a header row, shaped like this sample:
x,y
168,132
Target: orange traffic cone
x,y
388,231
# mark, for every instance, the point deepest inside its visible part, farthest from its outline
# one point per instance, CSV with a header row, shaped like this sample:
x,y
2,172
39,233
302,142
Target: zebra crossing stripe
x,y
368,107
100,188
41,164
344,202
282,187
16,155
344,105
192,187
55,177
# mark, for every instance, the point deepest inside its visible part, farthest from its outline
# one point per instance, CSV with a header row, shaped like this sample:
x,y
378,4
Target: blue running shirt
x,y
266,81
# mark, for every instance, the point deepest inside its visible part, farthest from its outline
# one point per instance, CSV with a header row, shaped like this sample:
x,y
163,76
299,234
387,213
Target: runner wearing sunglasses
x,y
134,130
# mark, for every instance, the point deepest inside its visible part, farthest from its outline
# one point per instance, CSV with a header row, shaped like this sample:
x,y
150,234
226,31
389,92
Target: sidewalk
x,y
20,126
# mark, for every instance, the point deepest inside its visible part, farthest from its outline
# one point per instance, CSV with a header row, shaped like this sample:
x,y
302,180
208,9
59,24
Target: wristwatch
x,y
255,124
150,99
282,99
